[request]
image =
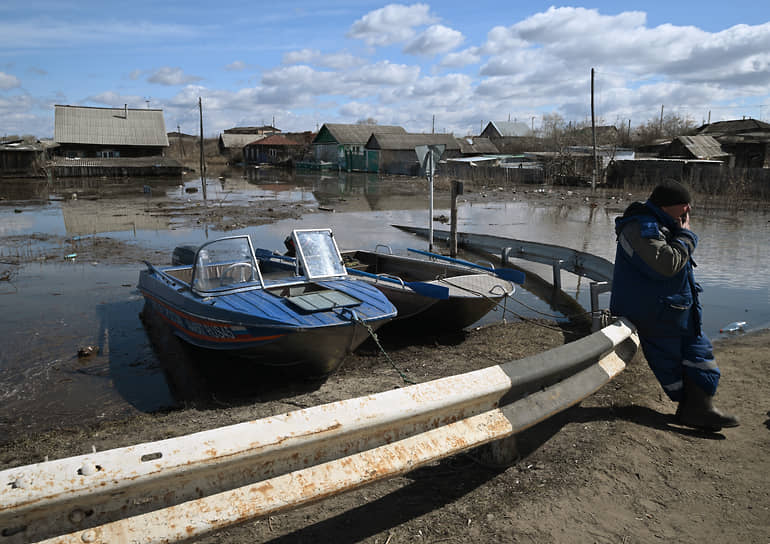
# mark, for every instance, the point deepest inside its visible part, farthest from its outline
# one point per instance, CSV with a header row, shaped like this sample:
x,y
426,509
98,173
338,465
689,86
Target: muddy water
x,y
52,306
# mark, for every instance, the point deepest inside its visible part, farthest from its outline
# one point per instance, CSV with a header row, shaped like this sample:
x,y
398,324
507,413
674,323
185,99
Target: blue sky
x,y
302,64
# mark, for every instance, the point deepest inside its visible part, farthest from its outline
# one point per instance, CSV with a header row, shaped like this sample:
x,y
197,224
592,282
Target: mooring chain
x,y
354,317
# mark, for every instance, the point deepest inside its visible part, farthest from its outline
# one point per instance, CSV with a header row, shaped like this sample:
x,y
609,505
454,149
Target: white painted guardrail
x,y
185,487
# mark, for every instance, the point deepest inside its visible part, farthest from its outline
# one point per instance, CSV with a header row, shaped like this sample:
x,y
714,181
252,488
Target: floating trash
x,y
735,326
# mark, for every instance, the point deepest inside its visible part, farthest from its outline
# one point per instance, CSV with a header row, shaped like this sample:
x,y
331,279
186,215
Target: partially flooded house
x,y
395,153
109,132
21,158
344,145
233,140
275,149
111,142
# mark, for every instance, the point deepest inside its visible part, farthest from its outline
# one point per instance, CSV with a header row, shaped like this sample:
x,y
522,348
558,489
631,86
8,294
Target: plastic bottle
x,y
735,326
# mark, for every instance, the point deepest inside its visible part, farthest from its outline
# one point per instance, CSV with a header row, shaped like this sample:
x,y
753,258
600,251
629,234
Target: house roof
x,y
109,126
266,129
275,140
476,145
353,134
406,141
507,129
733,127
238,140
702,147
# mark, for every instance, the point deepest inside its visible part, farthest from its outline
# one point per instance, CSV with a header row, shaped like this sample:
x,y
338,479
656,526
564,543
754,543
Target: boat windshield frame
x,y
317,254
220,263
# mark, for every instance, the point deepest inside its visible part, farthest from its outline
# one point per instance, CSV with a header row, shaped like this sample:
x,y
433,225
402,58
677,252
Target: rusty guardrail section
x,y
185,487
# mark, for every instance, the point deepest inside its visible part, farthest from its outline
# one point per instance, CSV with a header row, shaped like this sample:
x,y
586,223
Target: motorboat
x,y
308,315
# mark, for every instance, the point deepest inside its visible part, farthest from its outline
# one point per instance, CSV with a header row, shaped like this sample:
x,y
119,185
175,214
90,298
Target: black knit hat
x,y
670,193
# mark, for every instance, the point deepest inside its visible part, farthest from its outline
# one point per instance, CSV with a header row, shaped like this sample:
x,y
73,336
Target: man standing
x,y
654,287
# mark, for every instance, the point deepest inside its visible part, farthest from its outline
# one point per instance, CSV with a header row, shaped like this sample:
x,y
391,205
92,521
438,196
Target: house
x,y
19,158
88,132
274,149
694,147
747,140
391,153
233,140
343,145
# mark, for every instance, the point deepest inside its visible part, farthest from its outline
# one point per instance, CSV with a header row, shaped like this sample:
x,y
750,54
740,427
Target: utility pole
x,y
433,127
660,129
593,134
203,162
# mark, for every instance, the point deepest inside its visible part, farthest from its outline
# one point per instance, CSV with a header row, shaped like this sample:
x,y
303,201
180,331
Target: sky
x,y
447,66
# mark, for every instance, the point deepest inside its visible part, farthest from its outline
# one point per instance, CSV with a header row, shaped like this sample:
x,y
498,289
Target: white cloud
x,y
392,24
236,66
171,76
8,81
434,40
472,55
336,61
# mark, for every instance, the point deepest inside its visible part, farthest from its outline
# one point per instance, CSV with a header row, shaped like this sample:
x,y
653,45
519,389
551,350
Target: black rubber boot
x,y
697,410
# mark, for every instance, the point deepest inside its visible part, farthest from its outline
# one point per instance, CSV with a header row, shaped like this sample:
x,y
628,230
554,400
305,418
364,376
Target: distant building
x,y
747,140
343,145
23,159
233,140
273,149
395,153
109,132
694,147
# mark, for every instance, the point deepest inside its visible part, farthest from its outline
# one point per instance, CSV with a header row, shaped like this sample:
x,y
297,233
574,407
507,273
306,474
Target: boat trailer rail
x,y
183,488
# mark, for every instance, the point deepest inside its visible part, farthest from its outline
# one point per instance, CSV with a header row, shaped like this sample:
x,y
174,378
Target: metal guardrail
x,y
185,487
595,268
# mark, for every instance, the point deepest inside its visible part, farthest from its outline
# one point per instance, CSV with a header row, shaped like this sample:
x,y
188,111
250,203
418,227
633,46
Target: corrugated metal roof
x,y
275,139
476,145
734,126
511,128
702,147
396,142
359,134
109,126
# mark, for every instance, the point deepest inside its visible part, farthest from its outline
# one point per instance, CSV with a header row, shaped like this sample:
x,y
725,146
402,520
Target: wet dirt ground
x,y
612,469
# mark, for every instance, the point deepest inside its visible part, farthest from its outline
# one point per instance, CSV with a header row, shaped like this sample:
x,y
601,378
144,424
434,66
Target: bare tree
x,y
367,121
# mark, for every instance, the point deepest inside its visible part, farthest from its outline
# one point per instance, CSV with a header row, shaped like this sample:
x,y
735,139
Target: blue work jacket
x,y
658,305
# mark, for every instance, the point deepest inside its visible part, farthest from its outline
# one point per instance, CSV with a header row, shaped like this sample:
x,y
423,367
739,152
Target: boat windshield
x,y
318,254
226,264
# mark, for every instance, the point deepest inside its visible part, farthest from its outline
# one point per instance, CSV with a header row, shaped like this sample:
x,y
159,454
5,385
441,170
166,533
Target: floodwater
x,y
51,308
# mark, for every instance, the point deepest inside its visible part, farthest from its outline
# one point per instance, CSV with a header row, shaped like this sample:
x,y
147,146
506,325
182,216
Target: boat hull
x,y
265,328
316,352
471,294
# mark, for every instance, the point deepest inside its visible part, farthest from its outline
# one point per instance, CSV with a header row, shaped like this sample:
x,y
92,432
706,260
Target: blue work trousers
x,y
673,358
